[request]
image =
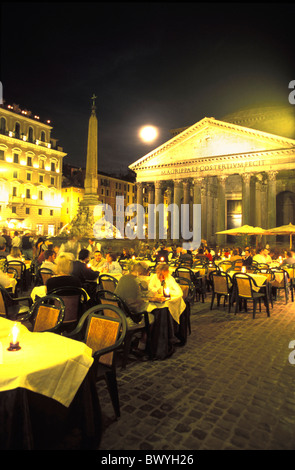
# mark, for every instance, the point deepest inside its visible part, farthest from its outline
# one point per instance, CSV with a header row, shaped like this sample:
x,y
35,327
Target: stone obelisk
x,y
90,198
82,224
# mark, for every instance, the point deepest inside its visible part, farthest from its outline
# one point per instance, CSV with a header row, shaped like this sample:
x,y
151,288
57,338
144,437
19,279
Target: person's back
x,y
129,291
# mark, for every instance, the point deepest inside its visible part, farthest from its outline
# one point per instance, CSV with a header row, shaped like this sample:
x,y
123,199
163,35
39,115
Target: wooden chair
x,y
182,329
281,282
13,307
44,274
21,269
75,300
110,298
243,292
108,282
104,335
222,287
46,314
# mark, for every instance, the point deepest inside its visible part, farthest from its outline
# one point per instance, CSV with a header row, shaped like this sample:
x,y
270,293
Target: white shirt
x,y
155,286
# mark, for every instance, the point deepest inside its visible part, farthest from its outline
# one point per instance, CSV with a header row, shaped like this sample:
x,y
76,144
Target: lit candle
x,y
14,344
166,292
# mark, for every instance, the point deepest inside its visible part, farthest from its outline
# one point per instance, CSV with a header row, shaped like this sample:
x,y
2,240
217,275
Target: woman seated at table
x,y
63,276
111,265
163,279
15,255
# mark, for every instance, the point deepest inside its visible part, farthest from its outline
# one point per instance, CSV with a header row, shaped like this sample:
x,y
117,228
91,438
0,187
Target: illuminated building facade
x,y
240,169
31,173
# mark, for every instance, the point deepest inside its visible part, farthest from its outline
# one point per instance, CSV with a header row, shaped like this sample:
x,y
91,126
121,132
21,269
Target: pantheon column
x,y
139,196
150,194
185,214
177,213
159,199
221,180
246,177
169,219
271,199
197,199
258,200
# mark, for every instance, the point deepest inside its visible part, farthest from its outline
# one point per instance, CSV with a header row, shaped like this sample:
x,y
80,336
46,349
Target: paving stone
x,y
230,387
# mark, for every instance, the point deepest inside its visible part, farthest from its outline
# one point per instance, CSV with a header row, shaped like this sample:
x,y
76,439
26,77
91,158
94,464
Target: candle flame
x,y
15,333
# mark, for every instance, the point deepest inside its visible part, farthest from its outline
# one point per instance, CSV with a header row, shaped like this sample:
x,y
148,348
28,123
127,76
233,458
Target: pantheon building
x,y
241,169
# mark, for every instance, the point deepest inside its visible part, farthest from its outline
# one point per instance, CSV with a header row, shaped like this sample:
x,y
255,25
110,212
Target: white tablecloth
x,y
47,363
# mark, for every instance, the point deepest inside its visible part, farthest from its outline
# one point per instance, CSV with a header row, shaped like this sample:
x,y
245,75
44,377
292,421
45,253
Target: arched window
x,y
43,136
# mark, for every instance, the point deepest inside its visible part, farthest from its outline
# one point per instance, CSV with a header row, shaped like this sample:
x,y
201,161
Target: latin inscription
x,y
212,167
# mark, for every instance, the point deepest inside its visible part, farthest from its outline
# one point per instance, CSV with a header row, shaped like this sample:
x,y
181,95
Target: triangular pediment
x,y
211,138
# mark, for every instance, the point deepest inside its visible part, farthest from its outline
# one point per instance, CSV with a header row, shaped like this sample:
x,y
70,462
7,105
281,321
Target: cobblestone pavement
x,y
231,387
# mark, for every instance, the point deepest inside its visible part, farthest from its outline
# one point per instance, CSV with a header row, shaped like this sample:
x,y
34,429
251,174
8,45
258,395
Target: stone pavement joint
x,y
230,387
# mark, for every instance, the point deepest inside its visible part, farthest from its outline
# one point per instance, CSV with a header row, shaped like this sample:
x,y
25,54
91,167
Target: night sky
x,y
165,64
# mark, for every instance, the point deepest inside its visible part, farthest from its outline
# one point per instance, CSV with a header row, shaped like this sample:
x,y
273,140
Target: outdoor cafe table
x,y
45,386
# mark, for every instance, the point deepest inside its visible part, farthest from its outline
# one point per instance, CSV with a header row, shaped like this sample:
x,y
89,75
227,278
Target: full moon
x,y
148,133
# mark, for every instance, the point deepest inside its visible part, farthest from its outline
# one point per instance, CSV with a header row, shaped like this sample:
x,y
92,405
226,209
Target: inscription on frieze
x,y
212,167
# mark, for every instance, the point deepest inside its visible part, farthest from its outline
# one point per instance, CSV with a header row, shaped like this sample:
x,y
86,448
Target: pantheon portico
x,y
238,174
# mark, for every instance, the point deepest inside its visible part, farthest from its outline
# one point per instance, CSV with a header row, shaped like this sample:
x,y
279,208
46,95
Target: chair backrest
x,y
73,298
244,285
220,282
183,272
280,278
45,274
3,309
48,313
107,311
19,266
103,334
187,287
108,282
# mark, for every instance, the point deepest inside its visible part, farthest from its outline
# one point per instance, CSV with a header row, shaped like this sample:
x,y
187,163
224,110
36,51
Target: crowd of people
x,y
85,263
75,264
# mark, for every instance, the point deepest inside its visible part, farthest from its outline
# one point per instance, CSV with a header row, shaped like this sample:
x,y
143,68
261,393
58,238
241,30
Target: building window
x,y
52,166
17,130
15,158
41,195
39,211
27,210
13,209
29,161
14,191
29,176
51,212
15,175
41,178
52,180
3,125
31,135
42,164
2,156
28,193
42,136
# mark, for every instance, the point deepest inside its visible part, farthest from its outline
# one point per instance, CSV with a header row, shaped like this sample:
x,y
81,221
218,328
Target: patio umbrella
x,y
282,230
244,230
